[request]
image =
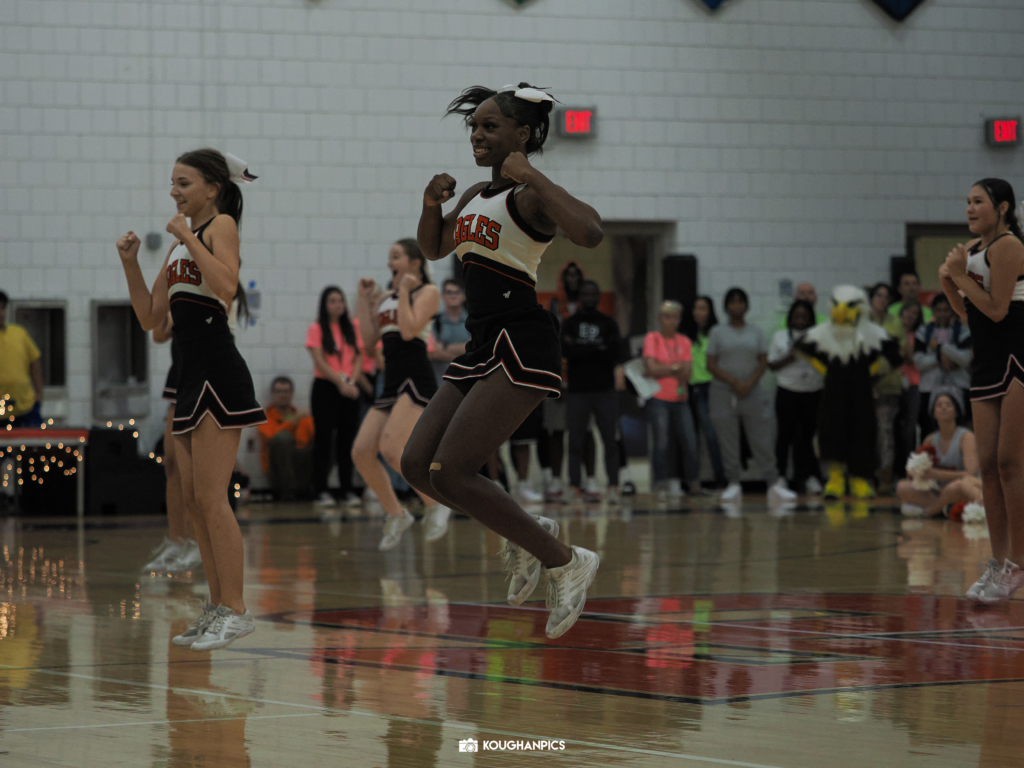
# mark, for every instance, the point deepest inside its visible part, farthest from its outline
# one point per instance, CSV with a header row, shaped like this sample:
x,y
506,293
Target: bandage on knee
x,y
435,465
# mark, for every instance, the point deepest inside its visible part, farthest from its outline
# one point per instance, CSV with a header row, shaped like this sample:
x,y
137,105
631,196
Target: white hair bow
x,y
529,94
238,168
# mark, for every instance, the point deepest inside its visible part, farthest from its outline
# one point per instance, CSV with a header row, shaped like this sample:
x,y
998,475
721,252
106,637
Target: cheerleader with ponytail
x,y
984,282
197,286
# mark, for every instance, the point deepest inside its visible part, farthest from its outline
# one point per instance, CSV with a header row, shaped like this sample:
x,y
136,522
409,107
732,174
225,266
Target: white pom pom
x,y
917,465
974,513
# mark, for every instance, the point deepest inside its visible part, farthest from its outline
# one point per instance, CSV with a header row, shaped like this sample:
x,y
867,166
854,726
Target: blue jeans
x,y
672,426
702,414
29,419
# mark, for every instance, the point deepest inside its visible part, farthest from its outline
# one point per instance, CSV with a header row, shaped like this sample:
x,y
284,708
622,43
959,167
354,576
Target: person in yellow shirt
x,y
21,373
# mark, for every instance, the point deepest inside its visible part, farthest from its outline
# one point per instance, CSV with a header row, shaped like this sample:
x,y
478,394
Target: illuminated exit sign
x,y
574,122
1002,132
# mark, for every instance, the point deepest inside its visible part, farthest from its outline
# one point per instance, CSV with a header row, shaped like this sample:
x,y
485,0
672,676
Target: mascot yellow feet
x,y
861,488
836,486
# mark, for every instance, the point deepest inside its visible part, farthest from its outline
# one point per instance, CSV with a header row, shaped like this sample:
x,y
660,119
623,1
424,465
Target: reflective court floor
x,y
743,637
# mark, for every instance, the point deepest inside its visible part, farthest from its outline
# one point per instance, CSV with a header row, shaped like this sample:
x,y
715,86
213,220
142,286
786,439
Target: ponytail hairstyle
x,y
533,114
348,332
999,192
214,169
412,250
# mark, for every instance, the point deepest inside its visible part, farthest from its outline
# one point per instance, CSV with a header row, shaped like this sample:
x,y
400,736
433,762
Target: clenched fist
x,y
516,167
178,226
128,246
441,189
367,287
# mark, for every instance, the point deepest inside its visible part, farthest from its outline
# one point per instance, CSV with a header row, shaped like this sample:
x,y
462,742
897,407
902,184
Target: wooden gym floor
x,y
832,636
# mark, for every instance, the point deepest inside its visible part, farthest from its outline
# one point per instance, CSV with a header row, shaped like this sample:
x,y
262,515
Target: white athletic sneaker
x,y
189,558
553,490
592,491
325,500
527,495
199,626
435,523
369,497
522,568
393,530
351,500
911,510
991,569
225,627
780,494
567,590
1003,584
675,488
164,555
813,486
732,492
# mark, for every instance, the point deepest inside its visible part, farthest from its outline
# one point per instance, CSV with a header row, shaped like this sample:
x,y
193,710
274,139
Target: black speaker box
x,y
679,279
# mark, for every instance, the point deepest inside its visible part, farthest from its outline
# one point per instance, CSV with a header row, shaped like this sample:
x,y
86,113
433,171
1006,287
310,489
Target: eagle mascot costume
x,y
848,351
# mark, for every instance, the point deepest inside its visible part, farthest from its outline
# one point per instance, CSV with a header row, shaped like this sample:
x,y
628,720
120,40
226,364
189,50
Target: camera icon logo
x,y
469,745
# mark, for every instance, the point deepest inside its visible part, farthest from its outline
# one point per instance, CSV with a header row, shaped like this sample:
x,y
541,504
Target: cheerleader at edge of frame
x,y
984,282
400,320
499,229
196,285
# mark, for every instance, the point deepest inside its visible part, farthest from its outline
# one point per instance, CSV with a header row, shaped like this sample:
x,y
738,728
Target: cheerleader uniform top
x,y
407,369
212,376
500,253
998,347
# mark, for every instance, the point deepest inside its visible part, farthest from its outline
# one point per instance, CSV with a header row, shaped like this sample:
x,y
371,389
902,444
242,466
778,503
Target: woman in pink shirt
x,y
337,366
668,358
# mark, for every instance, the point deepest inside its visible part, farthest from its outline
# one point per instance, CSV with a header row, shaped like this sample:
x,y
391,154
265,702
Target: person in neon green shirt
x,y
21,373
702,320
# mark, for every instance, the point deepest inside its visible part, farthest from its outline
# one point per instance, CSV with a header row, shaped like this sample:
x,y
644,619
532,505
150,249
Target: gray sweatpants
x,y
758,417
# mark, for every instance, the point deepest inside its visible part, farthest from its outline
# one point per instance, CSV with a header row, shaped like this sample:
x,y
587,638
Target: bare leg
x,y
1011,467
908,494
986,422
177,513
521,458
183,453
214,451
364,456
399,426
460,436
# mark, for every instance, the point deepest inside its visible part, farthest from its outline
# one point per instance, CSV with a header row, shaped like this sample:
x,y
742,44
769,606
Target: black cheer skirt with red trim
x,y
170,393
509,330
998,351
214,380
407,371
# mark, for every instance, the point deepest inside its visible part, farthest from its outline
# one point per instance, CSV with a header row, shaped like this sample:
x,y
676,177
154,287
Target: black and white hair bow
x,y
238,169
529,94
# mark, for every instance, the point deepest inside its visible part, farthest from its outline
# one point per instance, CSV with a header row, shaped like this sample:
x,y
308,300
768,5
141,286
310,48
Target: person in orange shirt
x,y
287,438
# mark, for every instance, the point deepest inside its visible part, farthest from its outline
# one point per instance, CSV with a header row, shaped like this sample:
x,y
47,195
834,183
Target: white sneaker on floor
x,y
675,488
567,590
780,494
393,530
992,567
813,486
911,510
351,500
198,627
189,560
435,522
325,500
732,492
369,497
166,554
522,568
553,490
225,627
1003,584
592,488
527,495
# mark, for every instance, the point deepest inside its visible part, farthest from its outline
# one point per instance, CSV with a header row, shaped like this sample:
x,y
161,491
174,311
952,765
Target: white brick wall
x,y
784,138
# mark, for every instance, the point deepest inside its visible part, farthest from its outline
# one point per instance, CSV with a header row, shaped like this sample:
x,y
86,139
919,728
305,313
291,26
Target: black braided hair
x,y
1000,191
533,114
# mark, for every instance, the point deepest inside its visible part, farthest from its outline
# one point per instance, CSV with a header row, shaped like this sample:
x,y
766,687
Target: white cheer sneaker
x,y
522,568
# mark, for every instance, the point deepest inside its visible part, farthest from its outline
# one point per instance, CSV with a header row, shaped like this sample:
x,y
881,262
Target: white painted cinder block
x,y
781,138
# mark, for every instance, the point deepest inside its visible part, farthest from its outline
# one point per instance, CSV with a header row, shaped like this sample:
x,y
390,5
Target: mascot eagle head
x,y
848,303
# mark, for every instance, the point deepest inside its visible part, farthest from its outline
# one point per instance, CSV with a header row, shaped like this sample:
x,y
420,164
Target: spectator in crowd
x,y
909,287
592,348
702,320
530,432
802,292
449,328
910,399
888,389
956,462
668,358
21,373
737,358
796,400
942,353
337,367
570,280
287,438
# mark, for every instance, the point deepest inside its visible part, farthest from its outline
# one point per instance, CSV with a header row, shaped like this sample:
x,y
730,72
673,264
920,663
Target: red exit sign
x,y
575,122
1002,132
